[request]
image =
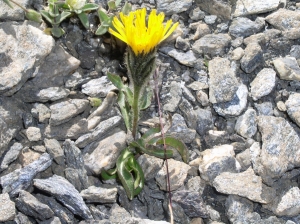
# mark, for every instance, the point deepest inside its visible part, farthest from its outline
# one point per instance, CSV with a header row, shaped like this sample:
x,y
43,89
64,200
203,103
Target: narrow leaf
x,y
127,8
118,2
89,7
8,3
57,32
109,174
84,20
47,16
102,16
125,110
101,30
178,145
150,132
116,80
62,16
111,5
146,99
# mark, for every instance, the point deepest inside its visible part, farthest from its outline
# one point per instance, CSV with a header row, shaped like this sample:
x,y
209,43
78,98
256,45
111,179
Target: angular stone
x,y
243,27
191,202
173,97
245,184
212,44
246,124
21,179
263,83
217,160
170,7
101,129
215,7
186,58
7,208
284,19
286,204
55,150
41,112
236,105
98,87
293,107
287,68
99,195
204,121
150,165
252,7
280,147
253,57
28,156
25,47
15,13
64,192
104,154
33,134
178,172
52,94
11,155
213,138
223,82
31,206
63,111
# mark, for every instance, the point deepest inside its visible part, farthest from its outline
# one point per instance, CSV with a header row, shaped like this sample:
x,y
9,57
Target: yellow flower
x,y
133,30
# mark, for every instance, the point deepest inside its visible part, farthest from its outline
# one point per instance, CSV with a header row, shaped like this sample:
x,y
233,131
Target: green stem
x,y
19,5
136,110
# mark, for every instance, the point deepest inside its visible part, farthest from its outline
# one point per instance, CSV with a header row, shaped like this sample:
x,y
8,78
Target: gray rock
x,y
98,87
293,107
173,97
263,83
212,44
217,160
246,124
287,68
196,184
72,129
286,204
213,138
196,14
179,215
237,54
103,154
265,108
87,55
202,98
75,166
180,130
64,192
202,29
245,184
295,51
244,159
25,48
191,202
178,173
51,94
21,179
240,210
244,27
21,218
64,215
215,7
284,19
211,19
55,150
185,58
99,195
15,13
41,112
101,129
33,134
170,7
222,81
11,155
199,85
252,7
204,121
252,58
182,44
236,105
7,208
31,206
280,144
188,94
150,165
63,111
53,220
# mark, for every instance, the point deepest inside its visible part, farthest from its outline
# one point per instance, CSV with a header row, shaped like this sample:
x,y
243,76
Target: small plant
x,y
29,13
142,38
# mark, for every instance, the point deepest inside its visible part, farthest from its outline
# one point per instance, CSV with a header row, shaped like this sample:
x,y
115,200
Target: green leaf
x,y
150,132
111,5
116,80
130,173
178,145
89,7
33,15
84,20
125,110
117,2
57,31
47,16
62,16
151,149
8,3
109,174
127,8
101,30
102,16
53,10
145,100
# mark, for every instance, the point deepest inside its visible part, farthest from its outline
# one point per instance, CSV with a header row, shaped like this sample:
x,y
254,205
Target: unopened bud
x,y
33,15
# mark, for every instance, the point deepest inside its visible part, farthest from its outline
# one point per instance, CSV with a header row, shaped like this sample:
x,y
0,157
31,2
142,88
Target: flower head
x,y
76,4
142,37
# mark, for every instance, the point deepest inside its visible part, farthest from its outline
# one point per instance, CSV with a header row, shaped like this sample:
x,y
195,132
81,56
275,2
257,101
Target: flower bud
x,y
33,15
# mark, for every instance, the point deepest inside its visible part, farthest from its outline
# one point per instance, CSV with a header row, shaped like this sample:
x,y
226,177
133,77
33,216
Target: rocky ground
x,y
230,79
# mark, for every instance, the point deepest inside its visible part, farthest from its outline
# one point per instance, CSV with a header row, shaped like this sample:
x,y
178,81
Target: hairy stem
x,y
136,110
165,146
